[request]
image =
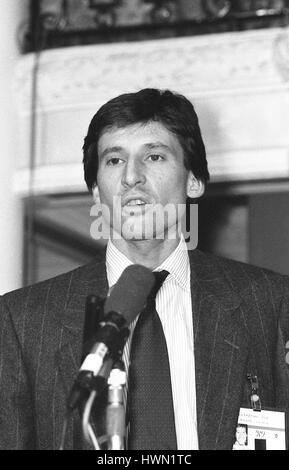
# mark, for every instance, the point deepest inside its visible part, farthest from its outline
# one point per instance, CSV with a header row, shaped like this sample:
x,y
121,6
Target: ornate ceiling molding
x,y
232,78
216,64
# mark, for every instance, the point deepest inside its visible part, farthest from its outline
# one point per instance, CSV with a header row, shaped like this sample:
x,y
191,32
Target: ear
x,y
195,187
95,195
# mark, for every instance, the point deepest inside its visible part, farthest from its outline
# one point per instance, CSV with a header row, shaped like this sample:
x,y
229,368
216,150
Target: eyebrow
x,y
149,146
154,145
114,149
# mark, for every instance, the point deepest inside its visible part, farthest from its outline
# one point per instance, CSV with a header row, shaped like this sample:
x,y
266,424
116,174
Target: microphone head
x,y
129,295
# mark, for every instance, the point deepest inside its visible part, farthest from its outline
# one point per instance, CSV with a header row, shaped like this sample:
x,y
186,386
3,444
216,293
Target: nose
x,y
133,173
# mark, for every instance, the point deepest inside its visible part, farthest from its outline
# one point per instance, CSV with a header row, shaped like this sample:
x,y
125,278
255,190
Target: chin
x,y
140,229
139,235
133,233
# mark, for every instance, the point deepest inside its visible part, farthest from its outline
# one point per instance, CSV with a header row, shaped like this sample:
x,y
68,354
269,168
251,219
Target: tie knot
x,y
160,277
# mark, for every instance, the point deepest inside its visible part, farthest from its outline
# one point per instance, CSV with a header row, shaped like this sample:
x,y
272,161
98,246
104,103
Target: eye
x,y
155,157
114,161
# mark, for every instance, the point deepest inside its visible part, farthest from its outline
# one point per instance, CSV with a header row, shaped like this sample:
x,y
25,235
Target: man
x,y
241,436
225,323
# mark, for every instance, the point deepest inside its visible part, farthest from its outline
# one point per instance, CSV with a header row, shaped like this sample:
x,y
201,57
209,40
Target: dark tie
x,y
150,401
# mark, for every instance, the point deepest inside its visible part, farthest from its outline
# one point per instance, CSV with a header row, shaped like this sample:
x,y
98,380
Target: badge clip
x,y
254,395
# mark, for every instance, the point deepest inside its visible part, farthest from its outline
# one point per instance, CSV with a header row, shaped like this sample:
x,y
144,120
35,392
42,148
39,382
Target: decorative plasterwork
x,y
196,66
233,79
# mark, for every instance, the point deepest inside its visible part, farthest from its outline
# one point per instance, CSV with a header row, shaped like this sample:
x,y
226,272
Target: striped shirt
x,y
173,304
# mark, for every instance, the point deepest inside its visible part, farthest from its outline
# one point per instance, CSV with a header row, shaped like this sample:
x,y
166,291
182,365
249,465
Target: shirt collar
x,y
177,264
116,262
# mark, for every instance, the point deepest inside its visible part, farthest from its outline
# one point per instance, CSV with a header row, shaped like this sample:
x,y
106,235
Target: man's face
x,y
142,165
241,435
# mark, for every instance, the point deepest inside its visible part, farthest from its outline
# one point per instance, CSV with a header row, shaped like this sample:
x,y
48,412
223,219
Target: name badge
x,y
260,430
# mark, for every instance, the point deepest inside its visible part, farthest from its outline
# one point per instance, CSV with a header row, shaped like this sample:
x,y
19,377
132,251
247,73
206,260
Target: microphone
x,y
93,315
127,298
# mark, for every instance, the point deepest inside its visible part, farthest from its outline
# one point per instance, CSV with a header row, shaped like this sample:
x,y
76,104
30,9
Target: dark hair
x,y
172,110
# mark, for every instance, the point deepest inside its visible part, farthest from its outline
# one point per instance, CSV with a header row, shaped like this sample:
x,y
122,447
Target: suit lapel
x,y
93,281
88,280
221,348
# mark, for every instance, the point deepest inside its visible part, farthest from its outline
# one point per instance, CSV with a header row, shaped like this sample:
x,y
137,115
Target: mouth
x,y
135,202
135,205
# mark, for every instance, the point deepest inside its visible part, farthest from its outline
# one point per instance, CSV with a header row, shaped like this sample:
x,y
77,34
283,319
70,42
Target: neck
x,y
148,253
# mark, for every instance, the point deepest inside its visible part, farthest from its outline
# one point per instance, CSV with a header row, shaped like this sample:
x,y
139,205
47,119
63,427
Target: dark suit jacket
x,y
241,326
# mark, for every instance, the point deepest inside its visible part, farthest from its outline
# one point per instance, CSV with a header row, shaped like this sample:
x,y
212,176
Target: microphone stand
x,y
115,411
113,374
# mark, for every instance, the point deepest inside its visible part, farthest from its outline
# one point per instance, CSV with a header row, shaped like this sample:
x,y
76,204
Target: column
x,y
11,221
